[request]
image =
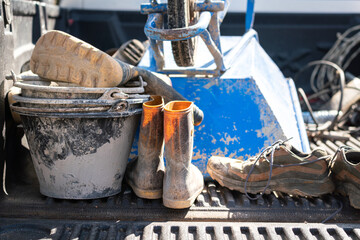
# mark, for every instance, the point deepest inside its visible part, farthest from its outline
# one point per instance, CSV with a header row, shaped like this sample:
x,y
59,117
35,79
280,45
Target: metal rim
x,y
60,110
82,115
42,88
73,113
73,89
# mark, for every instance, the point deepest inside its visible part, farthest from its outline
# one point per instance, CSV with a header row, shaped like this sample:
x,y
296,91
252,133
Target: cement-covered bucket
x,y
81,155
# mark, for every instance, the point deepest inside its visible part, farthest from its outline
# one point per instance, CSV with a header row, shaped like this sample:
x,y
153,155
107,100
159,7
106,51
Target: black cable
x,y
342,85
314,95
308,106
338,54
334,213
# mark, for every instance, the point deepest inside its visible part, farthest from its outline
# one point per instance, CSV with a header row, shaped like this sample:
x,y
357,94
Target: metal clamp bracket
x,y
207,27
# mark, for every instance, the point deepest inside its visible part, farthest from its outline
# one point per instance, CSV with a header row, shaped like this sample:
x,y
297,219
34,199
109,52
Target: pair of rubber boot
x,y
180,182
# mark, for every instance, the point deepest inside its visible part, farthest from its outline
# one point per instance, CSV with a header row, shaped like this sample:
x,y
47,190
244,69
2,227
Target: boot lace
x,y
331,162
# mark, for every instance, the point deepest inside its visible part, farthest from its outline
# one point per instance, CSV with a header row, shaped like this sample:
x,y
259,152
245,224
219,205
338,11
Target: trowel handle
x,y
198,115
129,72
157,84
160,84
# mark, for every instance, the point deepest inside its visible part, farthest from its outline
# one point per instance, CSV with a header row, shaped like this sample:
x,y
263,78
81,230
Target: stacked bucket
x,y
79,138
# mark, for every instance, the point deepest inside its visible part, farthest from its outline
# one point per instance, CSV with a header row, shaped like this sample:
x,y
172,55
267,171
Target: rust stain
x,y
249,156
233,155
200,159
220,152
213,140
199,128
225,153
227,139
270,128
210,84
236,154
198,155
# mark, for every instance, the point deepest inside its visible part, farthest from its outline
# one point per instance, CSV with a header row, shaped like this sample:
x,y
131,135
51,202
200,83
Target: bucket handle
x,y
133,88
120,106
12,76
23,111
57,101
58,110
114,93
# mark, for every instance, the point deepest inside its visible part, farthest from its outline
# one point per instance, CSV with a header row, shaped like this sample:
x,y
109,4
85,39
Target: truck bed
x,y
218,213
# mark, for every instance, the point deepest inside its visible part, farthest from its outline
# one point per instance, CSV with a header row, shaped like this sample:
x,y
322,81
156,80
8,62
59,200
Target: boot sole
x,y
181,204
292,186
145,193
62,57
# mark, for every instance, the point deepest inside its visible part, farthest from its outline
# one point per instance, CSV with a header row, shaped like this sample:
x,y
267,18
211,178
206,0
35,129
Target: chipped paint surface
x,y
270,131
238,121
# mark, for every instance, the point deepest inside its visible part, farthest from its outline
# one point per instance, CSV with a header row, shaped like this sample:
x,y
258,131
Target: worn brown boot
x,y
130,52
146,172
61,57
183,182
345,171
280,167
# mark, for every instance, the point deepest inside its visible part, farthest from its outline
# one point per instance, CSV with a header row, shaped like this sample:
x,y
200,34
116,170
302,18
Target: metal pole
x,y
250,15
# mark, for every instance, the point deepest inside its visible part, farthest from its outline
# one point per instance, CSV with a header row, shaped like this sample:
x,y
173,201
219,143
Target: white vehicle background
x,y
265,6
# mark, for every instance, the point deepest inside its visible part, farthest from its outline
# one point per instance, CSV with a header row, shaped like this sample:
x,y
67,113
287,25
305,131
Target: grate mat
x,y
63,230
214,204
332,145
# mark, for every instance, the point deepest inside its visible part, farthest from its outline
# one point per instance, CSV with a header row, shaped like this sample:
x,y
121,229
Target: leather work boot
x,y
183,182
345,171
146,172
280,167
61,57
130,52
